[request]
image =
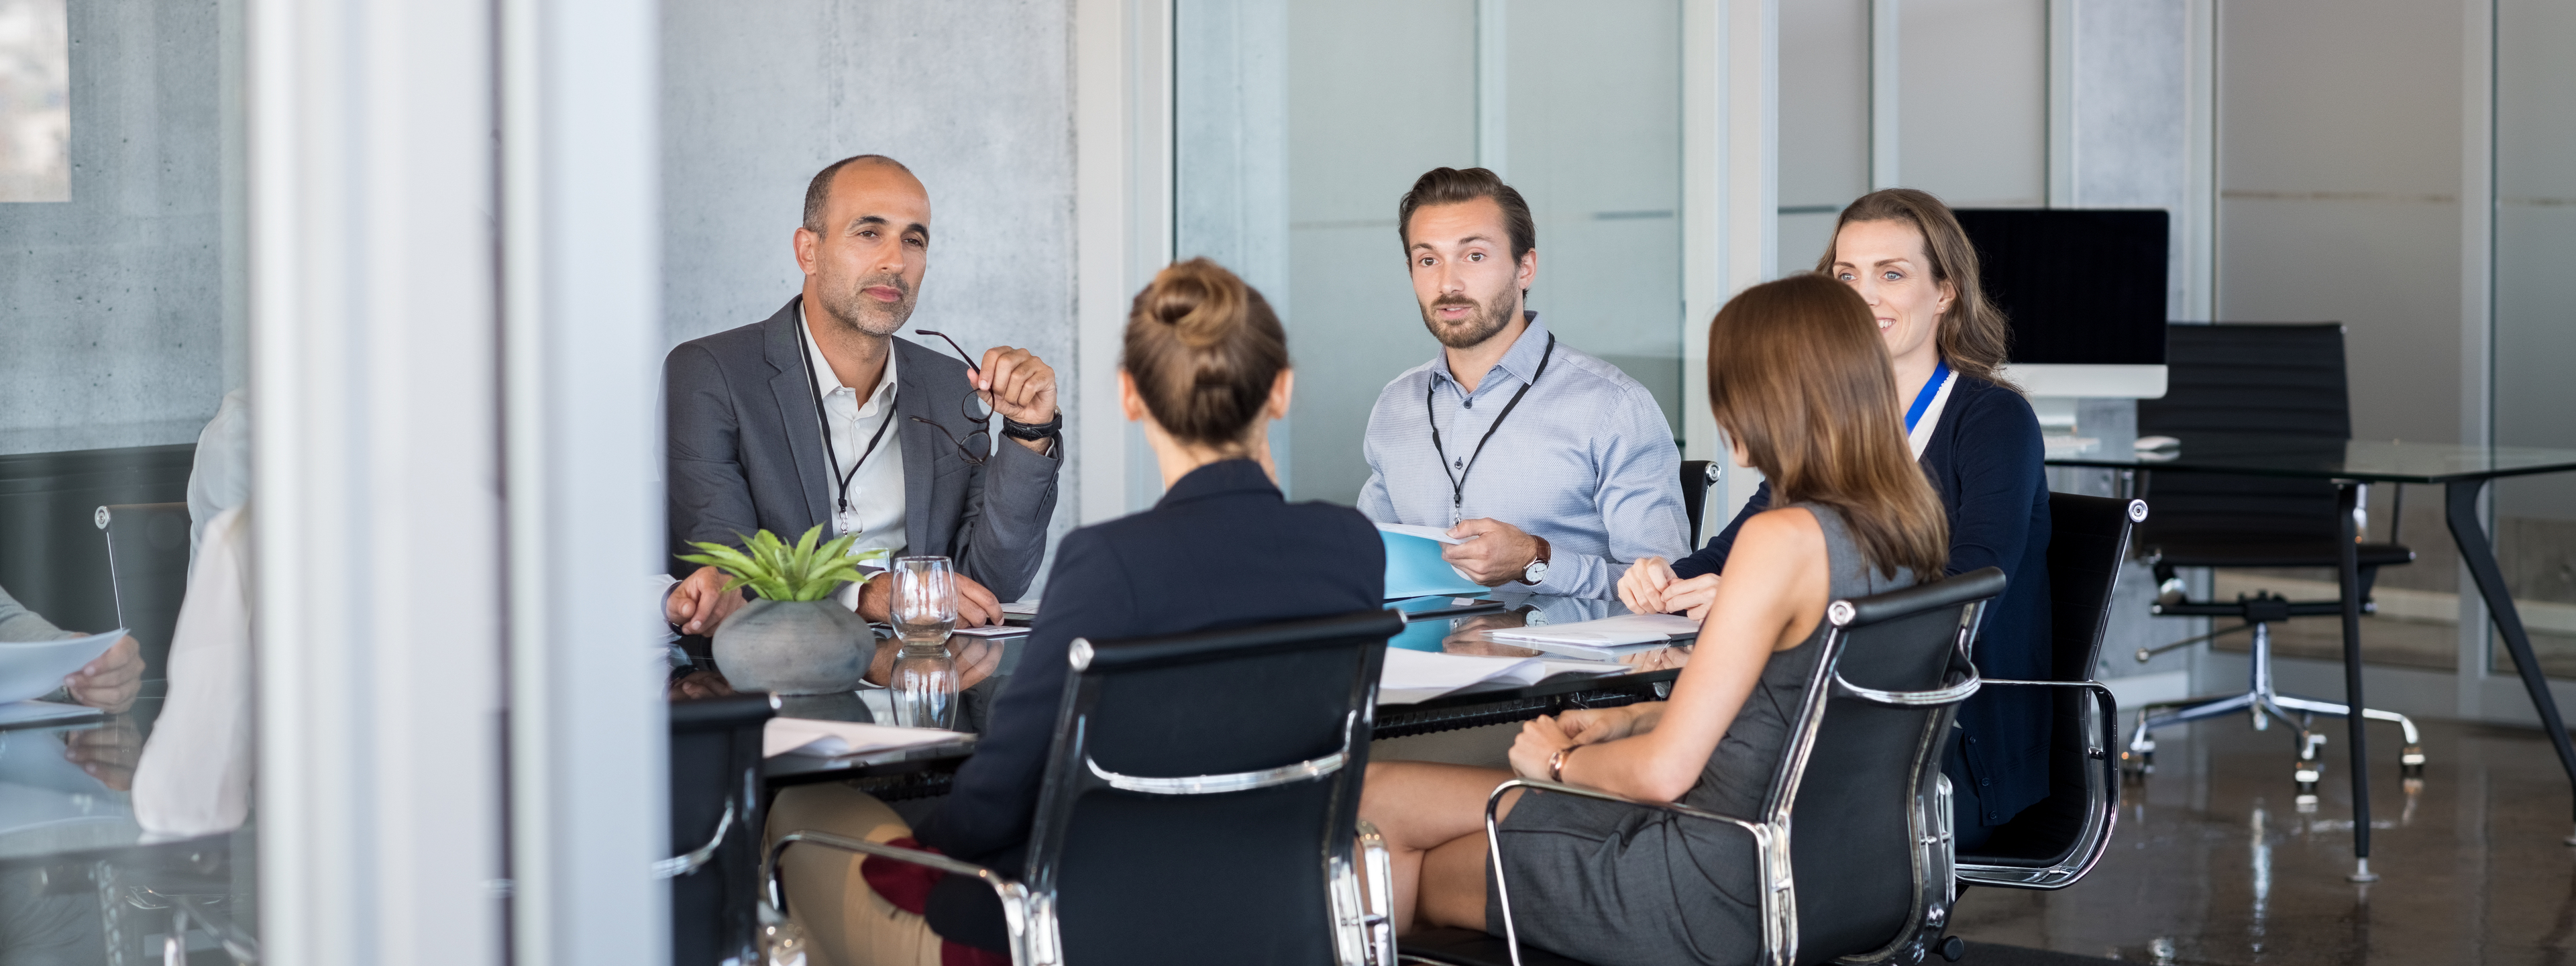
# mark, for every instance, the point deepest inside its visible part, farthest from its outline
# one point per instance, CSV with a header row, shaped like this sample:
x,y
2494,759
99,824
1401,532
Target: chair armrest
x,y
1492,801
1016,914
2107,809
1909,699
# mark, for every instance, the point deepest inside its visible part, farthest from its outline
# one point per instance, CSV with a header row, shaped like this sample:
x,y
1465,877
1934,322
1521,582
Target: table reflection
x,y
1473,635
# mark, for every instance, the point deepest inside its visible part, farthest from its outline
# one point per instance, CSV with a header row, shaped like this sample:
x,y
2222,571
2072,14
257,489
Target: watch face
x,y
1537,571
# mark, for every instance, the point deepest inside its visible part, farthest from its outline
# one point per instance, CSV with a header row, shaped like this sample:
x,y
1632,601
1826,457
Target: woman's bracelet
x,y
1556,763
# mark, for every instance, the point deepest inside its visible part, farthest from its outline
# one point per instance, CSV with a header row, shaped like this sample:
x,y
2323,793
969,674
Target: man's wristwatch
x,y
1016,429
1537,569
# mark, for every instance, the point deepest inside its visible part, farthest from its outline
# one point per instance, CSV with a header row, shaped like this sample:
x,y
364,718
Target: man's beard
x,y
1480,325
852,306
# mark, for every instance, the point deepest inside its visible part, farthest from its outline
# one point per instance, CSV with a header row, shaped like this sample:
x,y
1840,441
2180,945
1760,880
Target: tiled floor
x,y
2211,863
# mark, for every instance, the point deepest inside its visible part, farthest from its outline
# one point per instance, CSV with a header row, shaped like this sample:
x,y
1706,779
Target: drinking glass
x,y
924,610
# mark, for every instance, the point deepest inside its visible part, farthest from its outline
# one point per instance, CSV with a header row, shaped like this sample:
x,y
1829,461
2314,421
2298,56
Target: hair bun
x,y
1200,301
1204,349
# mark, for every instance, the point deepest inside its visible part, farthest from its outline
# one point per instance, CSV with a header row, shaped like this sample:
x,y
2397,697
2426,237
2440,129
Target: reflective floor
x,y
2212,863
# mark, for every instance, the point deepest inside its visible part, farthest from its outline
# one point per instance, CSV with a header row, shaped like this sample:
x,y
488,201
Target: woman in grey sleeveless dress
x,y
1801,382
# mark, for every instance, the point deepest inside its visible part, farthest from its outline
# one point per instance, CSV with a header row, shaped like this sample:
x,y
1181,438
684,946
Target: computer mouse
x,y
2157,442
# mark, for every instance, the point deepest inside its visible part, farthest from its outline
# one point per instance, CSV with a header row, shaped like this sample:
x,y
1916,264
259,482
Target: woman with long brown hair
x,y
1906,255
1802,386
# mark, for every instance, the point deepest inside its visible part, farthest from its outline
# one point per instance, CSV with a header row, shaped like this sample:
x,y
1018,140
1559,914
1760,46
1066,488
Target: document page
x,y
1414,676
33,669
839,739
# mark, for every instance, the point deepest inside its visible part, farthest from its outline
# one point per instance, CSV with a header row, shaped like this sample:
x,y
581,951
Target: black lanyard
x,y
829,451
1458,480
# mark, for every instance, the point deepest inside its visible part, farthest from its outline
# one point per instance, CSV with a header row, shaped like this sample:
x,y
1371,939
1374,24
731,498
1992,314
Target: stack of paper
x,y
1624,634
1414,676
30,669
841,739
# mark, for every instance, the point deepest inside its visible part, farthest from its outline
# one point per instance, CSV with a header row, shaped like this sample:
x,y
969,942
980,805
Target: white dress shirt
x,y
875,492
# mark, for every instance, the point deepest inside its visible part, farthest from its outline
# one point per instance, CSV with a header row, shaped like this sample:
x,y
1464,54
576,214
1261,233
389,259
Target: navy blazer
x,y
1985,459
1222,548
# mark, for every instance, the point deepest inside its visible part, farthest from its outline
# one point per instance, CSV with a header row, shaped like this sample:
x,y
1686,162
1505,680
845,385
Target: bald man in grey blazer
x,y
822,416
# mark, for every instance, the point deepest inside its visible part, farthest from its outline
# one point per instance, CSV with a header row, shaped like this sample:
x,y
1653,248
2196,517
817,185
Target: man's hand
x,y
1495,553
107,752
110,682
700,603
976,606
699,684
1020,386
977,658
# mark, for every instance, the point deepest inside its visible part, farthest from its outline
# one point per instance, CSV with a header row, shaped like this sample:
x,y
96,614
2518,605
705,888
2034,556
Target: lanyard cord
x,y
1458,480
1923,396
830,452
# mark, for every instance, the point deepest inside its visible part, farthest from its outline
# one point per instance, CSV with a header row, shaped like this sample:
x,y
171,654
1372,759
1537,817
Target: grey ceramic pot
x,y
794,647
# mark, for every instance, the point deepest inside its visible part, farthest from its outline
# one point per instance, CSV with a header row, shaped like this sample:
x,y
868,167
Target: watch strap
x,y
1016,429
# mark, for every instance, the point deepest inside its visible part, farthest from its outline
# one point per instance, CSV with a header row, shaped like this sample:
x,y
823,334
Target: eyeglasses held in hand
x,y
978,445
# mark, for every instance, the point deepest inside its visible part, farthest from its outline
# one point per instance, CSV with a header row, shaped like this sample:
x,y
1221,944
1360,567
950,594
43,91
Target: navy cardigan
x,y
1222,548
1984,459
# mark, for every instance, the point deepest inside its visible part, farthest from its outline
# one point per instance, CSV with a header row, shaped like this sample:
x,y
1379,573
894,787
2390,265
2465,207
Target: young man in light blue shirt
x,y
1554,467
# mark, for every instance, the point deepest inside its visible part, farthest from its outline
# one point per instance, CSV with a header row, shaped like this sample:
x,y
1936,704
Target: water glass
x,y
924,609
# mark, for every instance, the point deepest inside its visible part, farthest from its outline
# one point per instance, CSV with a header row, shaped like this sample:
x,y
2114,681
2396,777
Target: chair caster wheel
x,y
1951,948
2410,761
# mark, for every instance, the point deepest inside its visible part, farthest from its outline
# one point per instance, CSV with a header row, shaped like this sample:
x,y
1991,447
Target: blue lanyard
x,y
1923,399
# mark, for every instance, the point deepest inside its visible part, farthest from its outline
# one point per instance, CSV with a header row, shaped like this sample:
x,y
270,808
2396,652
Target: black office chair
x,y
2284,381
147,571
1696,476
1861,777
715,828
2052,844
1187,809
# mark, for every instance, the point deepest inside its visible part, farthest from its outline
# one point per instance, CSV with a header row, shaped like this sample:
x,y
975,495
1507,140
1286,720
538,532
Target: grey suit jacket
x,y
746,454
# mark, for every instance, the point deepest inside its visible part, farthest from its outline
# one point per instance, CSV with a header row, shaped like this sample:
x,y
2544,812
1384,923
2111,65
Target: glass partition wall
x,y
1297,127
126,832
2535,317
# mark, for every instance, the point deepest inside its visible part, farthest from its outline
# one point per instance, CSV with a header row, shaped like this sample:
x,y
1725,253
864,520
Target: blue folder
x,y
1414,568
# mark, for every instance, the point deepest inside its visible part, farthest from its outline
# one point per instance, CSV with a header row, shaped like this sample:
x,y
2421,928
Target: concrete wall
x,y
113,330
975,98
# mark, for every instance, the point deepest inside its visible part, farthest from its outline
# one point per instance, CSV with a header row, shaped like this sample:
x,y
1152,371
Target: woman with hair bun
x,y
1906,255
1204,368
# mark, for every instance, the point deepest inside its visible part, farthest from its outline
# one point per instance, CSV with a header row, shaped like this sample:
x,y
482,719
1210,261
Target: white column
x,y
378,525
1730,199
1884,85
1122,80
581,333
2477,320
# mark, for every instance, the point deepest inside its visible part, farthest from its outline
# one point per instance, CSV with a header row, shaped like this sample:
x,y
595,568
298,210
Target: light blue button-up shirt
x,y
1585,461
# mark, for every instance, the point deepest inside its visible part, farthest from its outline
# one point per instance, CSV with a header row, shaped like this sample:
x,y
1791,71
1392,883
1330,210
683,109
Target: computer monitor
x,y
2084,290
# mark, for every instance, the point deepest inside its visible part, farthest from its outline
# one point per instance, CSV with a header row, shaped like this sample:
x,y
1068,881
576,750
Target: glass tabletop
x,y
1470,635
2309,457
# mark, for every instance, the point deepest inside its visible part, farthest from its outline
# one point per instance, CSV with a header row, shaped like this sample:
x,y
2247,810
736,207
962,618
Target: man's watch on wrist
x,y
1033,432
1537,569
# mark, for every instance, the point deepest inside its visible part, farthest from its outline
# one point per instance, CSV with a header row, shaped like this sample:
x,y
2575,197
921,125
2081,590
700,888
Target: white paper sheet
x,y
33,669
1428,533
1410,676
837,739
991,630
1606,632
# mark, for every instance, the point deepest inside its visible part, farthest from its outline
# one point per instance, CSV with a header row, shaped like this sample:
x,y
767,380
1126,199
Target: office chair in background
x,y
147,571
2280,381
1696,476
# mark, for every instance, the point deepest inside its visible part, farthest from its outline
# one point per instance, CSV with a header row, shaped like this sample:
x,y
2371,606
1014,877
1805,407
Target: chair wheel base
x,y
1951,948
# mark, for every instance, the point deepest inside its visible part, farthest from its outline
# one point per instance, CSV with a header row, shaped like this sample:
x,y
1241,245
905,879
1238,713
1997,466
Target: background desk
x,y
2463,472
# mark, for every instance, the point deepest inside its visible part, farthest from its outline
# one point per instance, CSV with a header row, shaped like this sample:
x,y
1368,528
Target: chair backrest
x,y
1860,783
715,798
147,571
2274,379
2088,542
1203,788
1696,476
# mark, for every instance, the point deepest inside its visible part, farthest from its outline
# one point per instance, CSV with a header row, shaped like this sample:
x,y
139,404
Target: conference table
x,y
1455,626
81,880
2463,471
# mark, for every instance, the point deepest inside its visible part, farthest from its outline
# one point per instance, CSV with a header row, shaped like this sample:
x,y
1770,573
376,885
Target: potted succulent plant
x,y
794,639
